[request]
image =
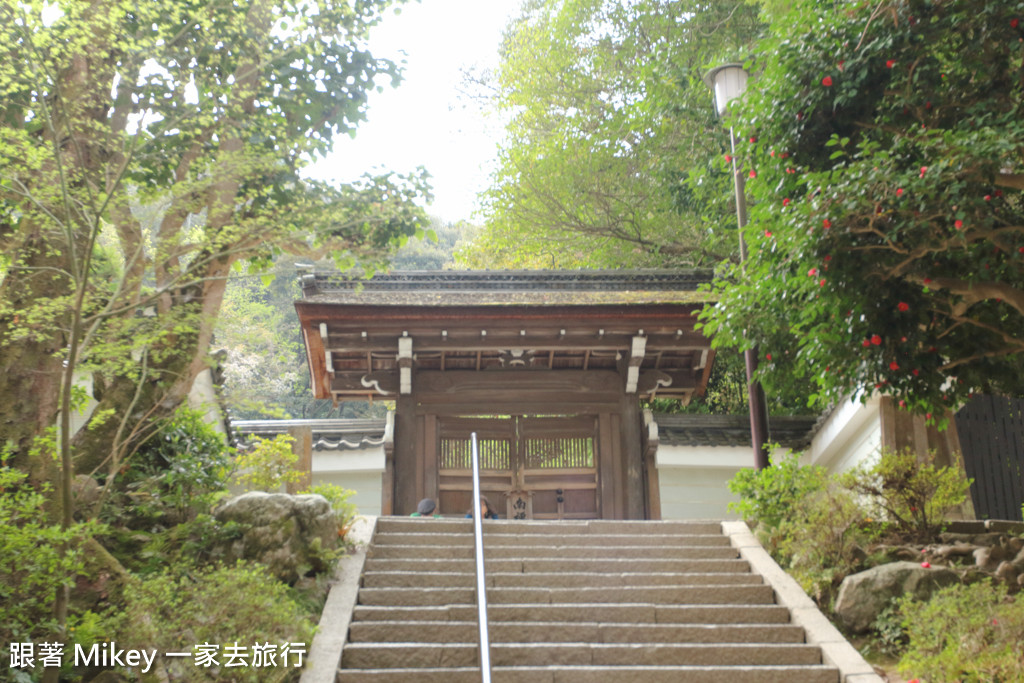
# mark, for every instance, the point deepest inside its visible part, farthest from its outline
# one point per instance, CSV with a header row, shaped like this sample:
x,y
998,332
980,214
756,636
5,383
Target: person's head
x,y
486,509
426,507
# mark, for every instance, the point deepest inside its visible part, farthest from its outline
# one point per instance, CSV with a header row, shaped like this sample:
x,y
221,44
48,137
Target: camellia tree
x,y
882,146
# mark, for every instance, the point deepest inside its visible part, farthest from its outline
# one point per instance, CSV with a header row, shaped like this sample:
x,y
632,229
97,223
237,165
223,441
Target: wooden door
x,y
530,467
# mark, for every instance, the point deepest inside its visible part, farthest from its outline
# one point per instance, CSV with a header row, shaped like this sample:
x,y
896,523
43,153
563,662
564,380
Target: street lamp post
x,y
728,82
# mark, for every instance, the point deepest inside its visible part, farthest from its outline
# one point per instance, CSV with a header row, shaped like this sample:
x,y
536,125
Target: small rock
x,y
85,490
864,595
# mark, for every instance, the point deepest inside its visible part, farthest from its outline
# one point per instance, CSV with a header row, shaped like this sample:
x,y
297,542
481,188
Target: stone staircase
x,y
571,602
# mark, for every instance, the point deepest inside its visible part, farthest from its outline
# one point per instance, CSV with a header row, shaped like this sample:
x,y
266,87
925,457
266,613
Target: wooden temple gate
x,y
548,368
531,467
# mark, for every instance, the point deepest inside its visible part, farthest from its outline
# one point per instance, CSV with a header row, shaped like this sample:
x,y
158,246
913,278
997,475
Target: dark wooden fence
x,y
991,432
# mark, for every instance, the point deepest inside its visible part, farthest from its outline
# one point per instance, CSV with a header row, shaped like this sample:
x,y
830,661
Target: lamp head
x,y
728,81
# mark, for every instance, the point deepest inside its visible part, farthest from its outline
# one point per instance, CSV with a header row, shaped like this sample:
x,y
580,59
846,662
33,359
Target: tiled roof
x,y
732,430
334,434
673,429
509,287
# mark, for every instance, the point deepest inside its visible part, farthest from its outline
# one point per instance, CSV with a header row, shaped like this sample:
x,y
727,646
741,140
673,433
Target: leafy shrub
x,y
768,495
970,633
182,607
914,495
38,558
268,465
814,524
177,474
338,497
820,538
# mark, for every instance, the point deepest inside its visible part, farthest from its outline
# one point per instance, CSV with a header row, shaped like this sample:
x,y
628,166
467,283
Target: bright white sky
x,y
423,122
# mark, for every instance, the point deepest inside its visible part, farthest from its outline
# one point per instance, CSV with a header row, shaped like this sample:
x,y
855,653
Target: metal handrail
x,y
481,582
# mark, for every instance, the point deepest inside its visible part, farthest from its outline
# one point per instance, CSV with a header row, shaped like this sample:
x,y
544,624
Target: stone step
x,y
560,565
555,552
506,526
413,579
427,655
582,613
680,595
573,632
599,674
545,565
493,539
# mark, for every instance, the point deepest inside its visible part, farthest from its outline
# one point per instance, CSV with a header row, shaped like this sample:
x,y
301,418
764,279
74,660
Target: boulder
x,y
864,595
291,535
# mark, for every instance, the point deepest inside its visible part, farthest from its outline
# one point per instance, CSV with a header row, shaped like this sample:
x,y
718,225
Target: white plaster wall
x,y
693,481
203,396
851,435
358,470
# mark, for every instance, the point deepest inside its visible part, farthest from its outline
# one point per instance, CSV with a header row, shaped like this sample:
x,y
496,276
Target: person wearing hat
x,y
426,508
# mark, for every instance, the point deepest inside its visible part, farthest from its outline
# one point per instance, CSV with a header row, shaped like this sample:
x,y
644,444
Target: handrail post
x,y
481,581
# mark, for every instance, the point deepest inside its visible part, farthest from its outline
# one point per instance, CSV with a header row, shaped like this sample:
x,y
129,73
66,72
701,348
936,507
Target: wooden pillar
x,y
405,495
632,457
302,446
650,450
607,468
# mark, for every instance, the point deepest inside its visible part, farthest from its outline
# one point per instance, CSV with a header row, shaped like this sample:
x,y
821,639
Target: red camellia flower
x,y
812,272
927,280
826,224
924,169
988,198
1020,250
753,139
916,372
903,306
926,565
821,283
958,224
753,174
890,63
927,416
768,356
767,233
903,404
828,257
866,343
785,202
728,158
894,366
876,340
899,192
1014,22
827,81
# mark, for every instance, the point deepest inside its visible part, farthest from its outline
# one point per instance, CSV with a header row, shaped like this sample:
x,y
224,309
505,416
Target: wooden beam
x,y
656,343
